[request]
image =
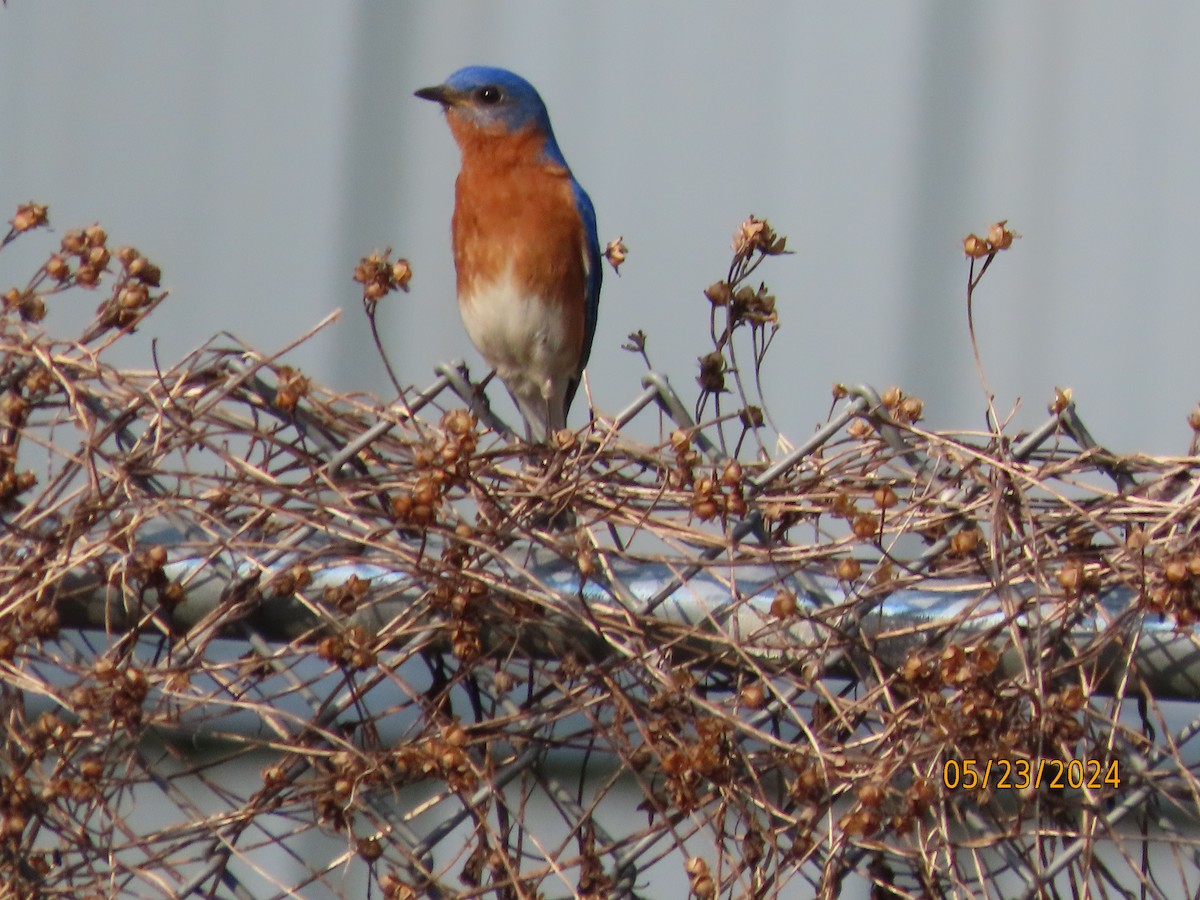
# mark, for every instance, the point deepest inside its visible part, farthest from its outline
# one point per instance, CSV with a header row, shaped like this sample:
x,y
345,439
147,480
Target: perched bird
x,y
525,245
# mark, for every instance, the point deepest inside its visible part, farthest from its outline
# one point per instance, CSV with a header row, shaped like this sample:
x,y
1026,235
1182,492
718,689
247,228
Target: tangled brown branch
x,y
261,639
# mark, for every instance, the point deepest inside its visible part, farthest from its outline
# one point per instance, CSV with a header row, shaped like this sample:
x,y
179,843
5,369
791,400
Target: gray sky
x,y
256,151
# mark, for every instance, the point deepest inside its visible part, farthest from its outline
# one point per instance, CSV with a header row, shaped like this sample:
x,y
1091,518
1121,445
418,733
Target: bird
x,y
526,251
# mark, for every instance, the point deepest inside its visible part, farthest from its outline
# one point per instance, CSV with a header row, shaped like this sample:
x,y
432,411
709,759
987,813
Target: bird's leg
x,y
549,419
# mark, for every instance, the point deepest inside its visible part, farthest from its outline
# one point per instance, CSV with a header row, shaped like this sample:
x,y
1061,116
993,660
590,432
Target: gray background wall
x,y
256,151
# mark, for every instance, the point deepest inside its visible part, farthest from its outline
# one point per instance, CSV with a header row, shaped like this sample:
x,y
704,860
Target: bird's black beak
x,y
439,93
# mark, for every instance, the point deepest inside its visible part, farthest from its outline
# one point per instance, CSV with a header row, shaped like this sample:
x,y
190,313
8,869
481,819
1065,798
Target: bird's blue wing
x,y
593,271
593,274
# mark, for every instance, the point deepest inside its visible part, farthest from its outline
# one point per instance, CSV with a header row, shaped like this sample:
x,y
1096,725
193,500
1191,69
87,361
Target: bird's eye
x,y
489,95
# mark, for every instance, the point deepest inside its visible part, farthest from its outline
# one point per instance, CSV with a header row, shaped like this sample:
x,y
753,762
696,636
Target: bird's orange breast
x,y
515,218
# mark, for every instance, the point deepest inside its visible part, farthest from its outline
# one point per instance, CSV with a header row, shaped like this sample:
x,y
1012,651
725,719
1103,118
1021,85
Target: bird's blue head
x,y
492,100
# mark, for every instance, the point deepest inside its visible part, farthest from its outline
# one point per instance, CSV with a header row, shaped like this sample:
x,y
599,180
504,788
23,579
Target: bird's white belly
x,y
526,340
523,337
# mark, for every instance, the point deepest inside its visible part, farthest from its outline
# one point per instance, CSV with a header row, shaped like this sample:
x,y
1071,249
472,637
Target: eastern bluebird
x,y
525,244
